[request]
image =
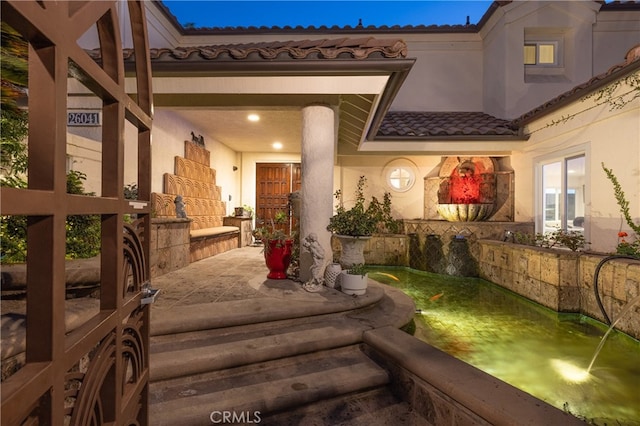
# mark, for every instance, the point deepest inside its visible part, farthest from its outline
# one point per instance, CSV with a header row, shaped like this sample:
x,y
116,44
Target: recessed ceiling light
x,y
253,117
277,145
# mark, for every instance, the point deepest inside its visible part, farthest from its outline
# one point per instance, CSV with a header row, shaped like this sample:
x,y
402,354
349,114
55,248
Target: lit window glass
x,y
400,178
546,54
530,54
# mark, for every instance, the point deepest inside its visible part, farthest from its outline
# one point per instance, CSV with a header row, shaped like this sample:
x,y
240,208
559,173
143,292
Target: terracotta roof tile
x,y
360,48
404,124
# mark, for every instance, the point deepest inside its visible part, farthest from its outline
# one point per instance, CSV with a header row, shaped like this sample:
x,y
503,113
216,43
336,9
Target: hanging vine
x,y
605,96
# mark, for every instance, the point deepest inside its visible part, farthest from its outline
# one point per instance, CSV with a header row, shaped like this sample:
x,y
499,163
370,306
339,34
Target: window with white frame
x,y
562,202
400,174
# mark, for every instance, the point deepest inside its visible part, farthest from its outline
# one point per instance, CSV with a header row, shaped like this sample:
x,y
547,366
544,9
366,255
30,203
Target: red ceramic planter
x,y
277,257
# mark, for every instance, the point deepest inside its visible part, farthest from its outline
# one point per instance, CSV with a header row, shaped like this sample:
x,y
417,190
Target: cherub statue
x,y
180,211
315,284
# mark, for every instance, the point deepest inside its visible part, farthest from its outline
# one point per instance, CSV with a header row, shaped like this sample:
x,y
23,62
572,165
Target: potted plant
x,y
247,211
354,280
277,246
353,227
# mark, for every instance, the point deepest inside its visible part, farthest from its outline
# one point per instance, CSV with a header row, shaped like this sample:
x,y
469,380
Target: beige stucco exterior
x,y
479,71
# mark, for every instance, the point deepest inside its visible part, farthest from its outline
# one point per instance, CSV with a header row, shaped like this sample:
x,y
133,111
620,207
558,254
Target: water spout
x,y
623,312
575,374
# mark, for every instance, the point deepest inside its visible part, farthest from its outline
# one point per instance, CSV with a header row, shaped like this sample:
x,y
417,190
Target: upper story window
x,y
541,53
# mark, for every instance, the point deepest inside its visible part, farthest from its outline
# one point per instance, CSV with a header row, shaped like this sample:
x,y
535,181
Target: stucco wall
x,y
407,205
442,58
168,136
605,136
507,93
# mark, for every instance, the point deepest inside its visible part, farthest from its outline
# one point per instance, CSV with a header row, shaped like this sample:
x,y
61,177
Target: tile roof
x,y
339,48
414,125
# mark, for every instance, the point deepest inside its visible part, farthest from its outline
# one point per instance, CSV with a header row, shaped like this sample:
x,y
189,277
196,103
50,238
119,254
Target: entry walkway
x,y
241,275
220,278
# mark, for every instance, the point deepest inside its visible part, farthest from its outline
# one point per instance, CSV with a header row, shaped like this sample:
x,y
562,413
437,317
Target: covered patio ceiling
x,y
219,107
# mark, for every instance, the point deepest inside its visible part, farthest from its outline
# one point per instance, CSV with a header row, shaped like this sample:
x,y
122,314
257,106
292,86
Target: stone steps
x,y
219,349
367,408
264,388
282,359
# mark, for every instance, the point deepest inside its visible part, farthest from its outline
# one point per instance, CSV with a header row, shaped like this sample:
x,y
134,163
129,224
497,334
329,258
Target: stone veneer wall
x,y
420,254
394,249
169,245
563,280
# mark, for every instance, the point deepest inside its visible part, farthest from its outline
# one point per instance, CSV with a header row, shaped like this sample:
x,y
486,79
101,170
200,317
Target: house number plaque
x,y
84,118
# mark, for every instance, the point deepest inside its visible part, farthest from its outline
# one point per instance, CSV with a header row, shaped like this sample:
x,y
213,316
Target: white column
x,y
318,144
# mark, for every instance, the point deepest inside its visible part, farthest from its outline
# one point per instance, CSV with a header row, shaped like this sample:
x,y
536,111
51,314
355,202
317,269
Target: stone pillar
x,y
318,145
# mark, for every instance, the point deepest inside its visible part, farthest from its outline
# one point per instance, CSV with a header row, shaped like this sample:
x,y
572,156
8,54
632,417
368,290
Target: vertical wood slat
x,y
46,235
42,23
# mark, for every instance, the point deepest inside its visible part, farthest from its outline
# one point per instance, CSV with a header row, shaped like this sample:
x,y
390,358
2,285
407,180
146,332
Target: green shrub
x,y
82,231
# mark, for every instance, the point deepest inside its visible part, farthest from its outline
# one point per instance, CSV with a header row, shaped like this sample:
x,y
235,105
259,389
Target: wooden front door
x,y
94,371
274,183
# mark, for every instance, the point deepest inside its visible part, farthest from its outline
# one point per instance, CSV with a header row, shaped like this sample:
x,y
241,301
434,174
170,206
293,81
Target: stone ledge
x,y
440,387
212,232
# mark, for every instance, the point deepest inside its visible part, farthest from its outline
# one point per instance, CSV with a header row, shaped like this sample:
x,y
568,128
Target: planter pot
x,y
352,250
353,284
331,274
277,257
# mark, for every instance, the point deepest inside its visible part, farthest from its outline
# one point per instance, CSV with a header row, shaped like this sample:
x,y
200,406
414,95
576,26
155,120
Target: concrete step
x,y
192,353
264,388
300,304
367,408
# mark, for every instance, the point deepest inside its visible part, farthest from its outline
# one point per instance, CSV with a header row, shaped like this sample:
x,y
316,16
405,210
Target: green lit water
x,y
525,344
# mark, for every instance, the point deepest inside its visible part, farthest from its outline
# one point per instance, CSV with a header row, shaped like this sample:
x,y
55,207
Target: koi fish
x,y
393,277
436,297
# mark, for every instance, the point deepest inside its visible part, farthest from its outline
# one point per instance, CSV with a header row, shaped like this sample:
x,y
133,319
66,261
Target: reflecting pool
x,y
542,352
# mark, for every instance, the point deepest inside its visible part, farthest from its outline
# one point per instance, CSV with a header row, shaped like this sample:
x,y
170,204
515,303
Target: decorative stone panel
x,y
169,245
194,170
196,153
195,182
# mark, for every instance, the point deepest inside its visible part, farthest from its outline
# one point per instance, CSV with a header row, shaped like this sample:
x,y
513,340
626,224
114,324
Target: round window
x,y
400,175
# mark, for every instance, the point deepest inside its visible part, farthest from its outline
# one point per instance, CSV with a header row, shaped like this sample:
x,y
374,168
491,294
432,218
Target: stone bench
x,y
207,234
215,231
